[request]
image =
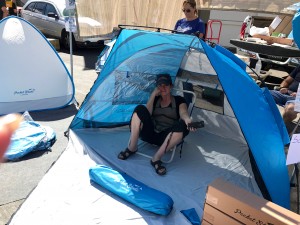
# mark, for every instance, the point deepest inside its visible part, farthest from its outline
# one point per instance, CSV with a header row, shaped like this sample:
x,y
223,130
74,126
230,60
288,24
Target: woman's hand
x,y
187,122
283,90
156,92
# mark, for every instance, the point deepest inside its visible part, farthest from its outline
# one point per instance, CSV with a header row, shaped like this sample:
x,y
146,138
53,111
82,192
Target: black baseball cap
x,y
163,79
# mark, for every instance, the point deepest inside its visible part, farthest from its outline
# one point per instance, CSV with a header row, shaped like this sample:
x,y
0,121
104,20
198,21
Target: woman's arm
x,y
286,82
150,102
284,86
183,113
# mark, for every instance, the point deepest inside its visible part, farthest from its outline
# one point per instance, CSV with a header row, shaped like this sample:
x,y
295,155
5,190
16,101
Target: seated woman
x,y
163,122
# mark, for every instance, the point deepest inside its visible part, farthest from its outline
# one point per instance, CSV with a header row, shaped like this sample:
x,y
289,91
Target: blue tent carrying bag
x,y
29,137
132,190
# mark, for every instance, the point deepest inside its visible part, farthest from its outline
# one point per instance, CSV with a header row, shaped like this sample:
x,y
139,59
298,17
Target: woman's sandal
x,y
160,170
126,154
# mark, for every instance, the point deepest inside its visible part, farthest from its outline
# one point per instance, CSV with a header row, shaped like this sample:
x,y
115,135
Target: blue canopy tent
x,y
128,77
242,141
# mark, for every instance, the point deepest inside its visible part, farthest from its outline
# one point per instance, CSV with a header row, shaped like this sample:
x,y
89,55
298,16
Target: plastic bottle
x,y
258,66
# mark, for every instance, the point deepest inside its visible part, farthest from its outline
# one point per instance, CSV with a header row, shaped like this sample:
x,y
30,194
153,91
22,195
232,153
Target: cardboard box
x,y
247,207
281,24
216,217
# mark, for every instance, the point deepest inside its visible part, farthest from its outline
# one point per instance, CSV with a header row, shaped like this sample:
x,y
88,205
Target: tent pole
x,y
70,44
71,53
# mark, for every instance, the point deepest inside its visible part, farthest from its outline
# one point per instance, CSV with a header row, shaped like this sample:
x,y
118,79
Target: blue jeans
x,y
281,99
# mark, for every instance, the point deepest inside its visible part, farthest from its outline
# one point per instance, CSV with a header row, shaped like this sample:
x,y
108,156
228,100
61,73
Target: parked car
x,y
49,16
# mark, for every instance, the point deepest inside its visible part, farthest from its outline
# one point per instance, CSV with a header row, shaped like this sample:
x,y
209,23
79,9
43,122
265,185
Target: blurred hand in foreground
x,y
8,125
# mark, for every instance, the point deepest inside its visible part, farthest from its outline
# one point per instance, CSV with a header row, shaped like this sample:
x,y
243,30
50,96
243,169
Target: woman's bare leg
x,y
175,139
135,132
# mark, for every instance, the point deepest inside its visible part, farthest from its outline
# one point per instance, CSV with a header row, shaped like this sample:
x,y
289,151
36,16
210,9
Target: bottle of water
x,y
258,67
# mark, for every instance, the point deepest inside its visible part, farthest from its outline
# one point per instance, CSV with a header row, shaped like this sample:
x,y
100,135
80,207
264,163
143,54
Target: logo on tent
x,y
25,92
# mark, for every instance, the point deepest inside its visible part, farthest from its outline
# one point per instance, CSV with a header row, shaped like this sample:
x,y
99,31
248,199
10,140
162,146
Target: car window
x,y
30,6
40,7
50,8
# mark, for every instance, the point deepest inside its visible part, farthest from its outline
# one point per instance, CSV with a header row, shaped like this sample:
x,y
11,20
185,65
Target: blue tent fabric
x,y
296,28
191,215
277,116
227,53
128,78
146,48
265,140
29,137
132,190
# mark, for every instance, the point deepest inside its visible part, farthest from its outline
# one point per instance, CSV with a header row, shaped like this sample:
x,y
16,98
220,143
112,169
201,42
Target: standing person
x,y
13,10
191,24
285,95
163,121
3,10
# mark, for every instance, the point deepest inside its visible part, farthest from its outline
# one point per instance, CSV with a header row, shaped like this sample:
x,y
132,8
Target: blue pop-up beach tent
x,y
128,78
242,141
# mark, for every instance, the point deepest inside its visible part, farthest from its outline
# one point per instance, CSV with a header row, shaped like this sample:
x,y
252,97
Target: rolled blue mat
x,y
132,190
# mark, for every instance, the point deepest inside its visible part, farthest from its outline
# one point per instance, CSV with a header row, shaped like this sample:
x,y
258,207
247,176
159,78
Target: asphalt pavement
x,y
18,179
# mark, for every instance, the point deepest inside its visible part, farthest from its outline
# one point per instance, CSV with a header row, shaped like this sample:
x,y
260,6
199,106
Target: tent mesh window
x,y
207,88
127,84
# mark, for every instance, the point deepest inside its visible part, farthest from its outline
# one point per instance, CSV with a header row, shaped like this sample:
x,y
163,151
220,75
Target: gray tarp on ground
x,y
67,196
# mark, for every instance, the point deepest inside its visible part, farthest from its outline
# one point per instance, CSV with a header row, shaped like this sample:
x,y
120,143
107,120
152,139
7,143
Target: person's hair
x,y
192,3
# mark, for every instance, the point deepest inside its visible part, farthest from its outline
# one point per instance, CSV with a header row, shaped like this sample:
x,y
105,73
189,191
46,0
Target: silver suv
x,y
49,17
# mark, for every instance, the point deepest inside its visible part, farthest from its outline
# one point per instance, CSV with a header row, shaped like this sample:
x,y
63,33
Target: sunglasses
x,y
186,10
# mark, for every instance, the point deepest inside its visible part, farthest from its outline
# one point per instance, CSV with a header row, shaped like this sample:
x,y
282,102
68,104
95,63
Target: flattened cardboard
x,y
247,207
215,217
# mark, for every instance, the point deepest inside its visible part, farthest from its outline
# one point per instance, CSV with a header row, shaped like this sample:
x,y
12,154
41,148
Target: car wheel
x,y
65,40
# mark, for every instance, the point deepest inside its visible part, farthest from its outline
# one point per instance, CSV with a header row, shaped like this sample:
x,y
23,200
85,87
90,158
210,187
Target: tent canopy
x,y
242,141
128,78
33,76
